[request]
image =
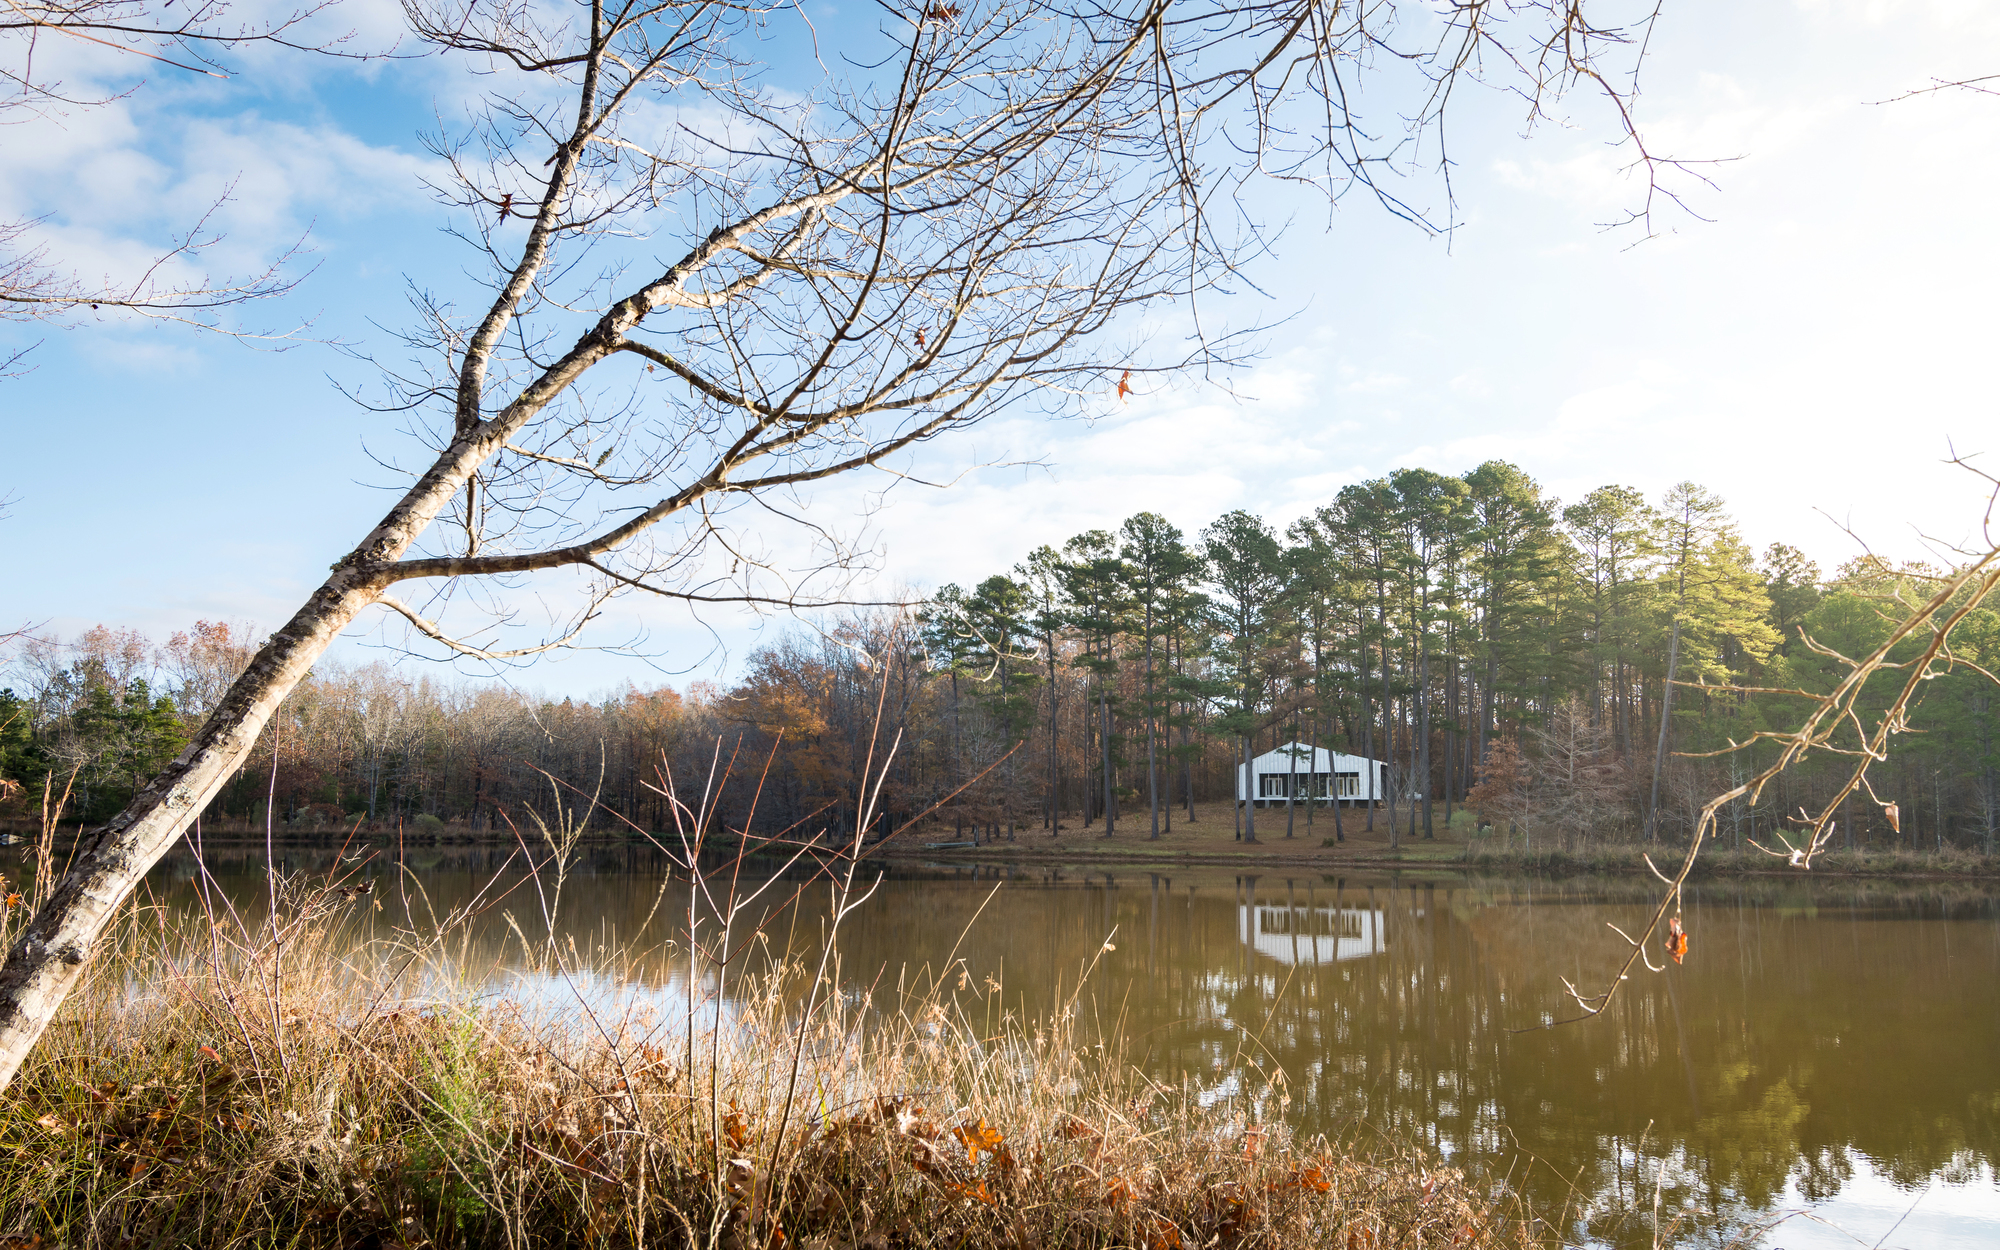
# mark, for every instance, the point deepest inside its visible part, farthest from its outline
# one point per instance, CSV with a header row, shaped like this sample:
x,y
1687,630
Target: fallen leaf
x,y
1119,1194
1074,1128
1162,1234
978,1136
978,1192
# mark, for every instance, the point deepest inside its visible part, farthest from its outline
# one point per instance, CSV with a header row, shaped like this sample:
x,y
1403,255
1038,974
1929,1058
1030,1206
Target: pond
x,y
1829,1046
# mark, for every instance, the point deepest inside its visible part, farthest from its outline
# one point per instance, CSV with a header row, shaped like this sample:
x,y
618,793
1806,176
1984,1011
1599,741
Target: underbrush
x,y
1727,861
301,1081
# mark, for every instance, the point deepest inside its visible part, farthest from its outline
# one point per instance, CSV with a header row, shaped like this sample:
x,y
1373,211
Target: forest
x,y
1577,672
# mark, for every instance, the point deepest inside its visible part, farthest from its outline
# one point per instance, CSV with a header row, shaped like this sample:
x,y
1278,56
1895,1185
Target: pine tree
x,y
1245,567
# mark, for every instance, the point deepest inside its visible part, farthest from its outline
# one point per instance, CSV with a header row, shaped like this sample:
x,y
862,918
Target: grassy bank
x,y
306,1082
1212,838
1725,861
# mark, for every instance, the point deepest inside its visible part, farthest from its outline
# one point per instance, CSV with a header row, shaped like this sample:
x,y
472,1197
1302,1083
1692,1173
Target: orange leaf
x,y
1120,1194
977,1136
1124,386
736,1129
1894,812
1677,939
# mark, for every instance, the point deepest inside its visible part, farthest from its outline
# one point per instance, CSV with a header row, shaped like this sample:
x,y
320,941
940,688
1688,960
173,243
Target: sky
x,y
1813,342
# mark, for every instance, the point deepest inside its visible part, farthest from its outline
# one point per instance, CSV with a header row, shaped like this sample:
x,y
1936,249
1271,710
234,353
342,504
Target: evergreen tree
x,y
1095,590
1246,569
1155,559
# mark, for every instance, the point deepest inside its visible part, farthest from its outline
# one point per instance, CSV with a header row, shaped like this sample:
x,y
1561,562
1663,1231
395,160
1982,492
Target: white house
x,y
1308,773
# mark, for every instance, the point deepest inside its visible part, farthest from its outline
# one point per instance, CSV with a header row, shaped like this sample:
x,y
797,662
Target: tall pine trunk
x,y
1666,721
1152,753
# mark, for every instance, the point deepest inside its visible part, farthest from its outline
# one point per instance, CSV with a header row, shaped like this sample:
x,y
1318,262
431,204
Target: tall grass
x,y
303,1079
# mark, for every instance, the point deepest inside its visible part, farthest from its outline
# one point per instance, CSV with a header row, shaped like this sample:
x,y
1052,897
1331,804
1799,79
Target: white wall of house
x,y
1319,775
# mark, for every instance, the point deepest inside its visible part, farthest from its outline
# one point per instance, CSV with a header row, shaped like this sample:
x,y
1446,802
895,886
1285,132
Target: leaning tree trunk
x,y
49,956
1666,721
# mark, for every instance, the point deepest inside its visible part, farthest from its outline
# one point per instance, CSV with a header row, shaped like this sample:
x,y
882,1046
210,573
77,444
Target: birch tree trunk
x,y
52,951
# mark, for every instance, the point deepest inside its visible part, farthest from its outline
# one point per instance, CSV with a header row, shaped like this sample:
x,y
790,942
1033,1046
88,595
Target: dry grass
x,y
294,1081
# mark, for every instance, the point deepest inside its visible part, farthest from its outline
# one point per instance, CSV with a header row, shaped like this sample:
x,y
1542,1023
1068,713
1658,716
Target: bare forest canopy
x,y
1506,656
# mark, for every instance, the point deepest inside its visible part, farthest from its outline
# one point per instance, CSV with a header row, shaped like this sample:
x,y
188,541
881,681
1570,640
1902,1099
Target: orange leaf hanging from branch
x,y
1677,939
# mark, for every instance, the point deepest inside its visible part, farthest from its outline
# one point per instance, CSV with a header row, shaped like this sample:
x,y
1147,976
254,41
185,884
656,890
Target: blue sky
x,y
1810,353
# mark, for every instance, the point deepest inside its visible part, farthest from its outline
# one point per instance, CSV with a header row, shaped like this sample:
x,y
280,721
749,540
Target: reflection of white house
x,y
1312,773
1311,935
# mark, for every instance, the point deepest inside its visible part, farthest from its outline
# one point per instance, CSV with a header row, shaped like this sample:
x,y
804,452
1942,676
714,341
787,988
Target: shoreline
x,y
1622,860
1362,852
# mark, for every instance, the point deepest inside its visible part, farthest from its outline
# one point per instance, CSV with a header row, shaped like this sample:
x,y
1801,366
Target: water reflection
x,y
1828,1045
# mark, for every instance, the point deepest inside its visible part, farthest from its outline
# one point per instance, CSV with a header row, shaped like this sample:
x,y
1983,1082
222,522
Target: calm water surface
x,y
1829,1047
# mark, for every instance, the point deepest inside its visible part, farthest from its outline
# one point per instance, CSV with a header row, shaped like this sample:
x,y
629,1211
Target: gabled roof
x,y
1279,759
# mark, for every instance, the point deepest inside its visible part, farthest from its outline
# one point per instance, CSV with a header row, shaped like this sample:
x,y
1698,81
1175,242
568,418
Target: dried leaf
x,y
1894,813
1125,386
978,1192
1677,939
977,1136
1074,1128
1314,1179
1119,1194
737,1129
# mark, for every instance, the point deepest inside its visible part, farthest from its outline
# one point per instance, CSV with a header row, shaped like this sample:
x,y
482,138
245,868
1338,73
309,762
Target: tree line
x,y
1567,671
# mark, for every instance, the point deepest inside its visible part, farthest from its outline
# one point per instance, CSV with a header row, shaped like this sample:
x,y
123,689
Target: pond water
x,y
1829,1047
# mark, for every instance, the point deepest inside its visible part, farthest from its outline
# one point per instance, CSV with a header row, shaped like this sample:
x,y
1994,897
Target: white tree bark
x,y
52,951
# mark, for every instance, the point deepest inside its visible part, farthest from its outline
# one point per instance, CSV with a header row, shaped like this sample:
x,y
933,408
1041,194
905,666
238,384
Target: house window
x,y
1350,785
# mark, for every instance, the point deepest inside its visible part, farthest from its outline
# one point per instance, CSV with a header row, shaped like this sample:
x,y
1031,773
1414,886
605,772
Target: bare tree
x,y
1581,782
190,37
971,223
